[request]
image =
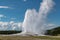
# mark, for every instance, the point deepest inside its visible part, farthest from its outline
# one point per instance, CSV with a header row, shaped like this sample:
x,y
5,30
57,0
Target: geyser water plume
x,y
34,22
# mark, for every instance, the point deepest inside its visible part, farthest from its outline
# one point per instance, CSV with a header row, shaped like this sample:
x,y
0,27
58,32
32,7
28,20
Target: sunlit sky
x,y
14,10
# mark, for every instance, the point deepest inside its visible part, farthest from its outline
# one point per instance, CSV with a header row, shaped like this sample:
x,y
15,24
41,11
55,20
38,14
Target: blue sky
x,y
54,16
16,9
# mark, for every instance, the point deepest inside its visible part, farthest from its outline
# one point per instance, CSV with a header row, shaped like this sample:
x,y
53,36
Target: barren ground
x,y
29,38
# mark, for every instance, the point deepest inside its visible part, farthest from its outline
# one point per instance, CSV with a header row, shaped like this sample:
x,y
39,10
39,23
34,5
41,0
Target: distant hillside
x,y
54,31
9,32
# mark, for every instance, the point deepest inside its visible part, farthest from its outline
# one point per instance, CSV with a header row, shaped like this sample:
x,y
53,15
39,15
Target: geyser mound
x,y
34,22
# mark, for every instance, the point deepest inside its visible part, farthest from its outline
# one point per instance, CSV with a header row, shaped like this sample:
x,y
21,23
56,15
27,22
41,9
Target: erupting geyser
x,y
34,22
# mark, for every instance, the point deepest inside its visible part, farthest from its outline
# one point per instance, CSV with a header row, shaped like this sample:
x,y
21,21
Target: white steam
x,y
34,21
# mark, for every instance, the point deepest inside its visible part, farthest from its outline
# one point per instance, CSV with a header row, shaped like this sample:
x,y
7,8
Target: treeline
x,y
9,32
53,32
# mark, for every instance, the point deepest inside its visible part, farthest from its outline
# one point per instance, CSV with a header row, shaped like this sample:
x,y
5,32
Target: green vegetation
x,y
9,32
54,31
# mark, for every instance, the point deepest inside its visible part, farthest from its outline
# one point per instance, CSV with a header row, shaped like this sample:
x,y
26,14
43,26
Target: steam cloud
x,y
34,22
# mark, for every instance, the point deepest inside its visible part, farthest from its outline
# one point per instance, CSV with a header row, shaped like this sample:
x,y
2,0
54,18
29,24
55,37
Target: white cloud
x,y
17,26
13,18
10,25
11,22
1,16
24,0
3,25
51,25
4,7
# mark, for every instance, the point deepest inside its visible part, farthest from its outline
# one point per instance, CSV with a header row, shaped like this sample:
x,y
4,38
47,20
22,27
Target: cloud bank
x,y
10,25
